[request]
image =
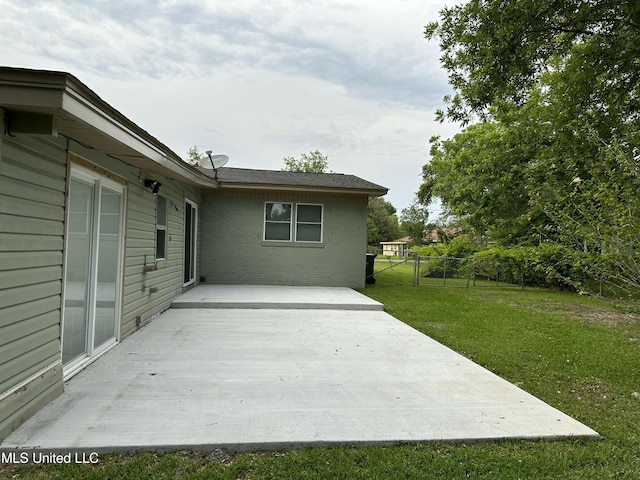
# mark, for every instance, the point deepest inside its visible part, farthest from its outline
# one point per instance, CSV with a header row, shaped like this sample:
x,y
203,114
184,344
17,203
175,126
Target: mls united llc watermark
x,y
20,457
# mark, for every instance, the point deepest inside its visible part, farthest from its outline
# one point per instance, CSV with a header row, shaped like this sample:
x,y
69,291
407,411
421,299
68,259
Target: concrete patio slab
x,y
235,379
266,296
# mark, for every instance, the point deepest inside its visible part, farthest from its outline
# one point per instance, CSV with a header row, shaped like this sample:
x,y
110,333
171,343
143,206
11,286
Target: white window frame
x,y
293,223
265,221
310,223
160,227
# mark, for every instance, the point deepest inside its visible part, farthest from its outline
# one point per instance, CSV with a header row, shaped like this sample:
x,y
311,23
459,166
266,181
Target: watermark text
x,y
23,457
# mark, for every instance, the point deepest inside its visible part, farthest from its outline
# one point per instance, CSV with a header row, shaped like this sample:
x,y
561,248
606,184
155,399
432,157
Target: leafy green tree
x,y
503,177
194,155
312,162
413,222
484,176
382,223
497,51
557,87
373,233
600,217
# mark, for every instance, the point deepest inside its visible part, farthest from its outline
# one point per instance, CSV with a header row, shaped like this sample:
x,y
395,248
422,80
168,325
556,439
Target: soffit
x,y
79,114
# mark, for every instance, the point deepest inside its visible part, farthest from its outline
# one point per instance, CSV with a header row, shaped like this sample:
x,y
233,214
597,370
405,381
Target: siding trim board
x,y
29,396
28,380
98,170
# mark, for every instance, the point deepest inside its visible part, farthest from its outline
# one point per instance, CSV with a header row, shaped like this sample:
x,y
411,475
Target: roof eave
x,y
80,114
303,188
127,133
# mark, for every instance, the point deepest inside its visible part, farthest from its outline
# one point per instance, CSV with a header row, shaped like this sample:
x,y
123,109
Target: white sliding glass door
x,y
93,266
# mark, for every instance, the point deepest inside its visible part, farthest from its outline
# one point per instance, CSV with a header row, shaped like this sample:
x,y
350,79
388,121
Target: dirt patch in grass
x,y
596,390
596,315
604,314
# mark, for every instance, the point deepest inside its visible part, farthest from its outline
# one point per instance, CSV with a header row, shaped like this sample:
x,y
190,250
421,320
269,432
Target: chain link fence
x,y
456,272
452,272
441,272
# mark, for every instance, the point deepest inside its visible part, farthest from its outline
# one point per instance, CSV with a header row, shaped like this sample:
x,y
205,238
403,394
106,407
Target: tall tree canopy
x,y
382,223
556,88
554,84
496,51
413,221
312,162
505,177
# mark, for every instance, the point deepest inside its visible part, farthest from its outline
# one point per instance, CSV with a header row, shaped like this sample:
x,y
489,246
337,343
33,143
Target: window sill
x,y
266,243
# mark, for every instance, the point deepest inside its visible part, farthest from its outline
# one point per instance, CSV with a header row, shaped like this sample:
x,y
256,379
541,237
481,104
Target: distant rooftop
x,y
240,177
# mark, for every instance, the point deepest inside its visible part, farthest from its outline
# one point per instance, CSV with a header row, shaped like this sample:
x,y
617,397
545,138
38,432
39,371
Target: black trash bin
x,y
371,257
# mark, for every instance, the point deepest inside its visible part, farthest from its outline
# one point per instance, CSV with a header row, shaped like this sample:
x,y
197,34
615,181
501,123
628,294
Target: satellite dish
x,y
218,161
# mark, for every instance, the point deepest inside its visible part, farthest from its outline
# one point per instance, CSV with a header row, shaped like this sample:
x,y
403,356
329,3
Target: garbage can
x,y
371,257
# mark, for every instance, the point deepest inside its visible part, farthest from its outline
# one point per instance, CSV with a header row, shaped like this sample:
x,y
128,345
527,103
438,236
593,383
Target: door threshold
x,y
76,367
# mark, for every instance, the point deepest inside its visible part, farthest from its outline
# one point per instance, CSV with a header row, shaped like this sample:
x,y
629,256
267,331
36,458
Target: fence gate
x,y
442,272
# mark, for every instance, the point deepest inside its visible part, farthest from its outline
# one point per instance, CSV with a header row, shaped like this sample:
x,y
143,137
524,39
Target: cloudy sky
x,y
256,80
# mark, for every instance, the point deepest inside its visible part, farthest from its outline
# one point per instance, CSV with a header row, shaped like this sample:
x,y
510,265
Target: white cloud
x,y
256,80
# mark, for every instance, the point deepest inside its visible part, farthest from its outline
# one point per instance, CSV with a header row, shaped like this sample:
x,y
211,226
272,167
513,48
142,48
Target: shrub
x,y
503,264
462,246
547,265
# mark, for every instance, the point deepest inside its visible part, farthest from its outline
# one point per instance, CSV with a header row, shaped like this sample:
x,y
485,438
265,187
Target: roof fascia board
x,y
89,113
54,92
30,95
303,188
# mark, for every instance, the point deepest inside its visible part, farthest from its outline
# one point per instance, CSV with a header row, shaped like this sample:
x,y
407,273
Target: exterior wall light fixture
x,y
154,185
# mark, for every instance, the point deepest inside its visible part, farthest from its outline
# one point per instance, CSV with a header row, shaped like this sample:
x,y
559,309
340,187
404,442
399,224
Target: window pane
x,y
161,213
78,223
161,243
110,213
310,213
77,305
278,212
277,231
308,232
80,206
106,311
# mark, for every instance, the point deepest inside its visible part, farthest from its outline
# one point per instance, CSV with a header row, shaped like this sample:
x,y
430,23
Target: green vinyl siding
x,y
138,298
166,280
33,182
32,200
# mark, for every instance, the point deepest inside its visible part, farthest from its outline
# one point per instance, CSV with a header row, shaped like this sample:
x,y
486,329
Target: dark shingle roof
x,y
322,181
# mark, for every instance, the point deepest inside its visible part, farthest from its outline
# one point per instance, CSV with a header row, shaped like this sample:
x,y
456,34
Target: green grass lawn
x,y
577,353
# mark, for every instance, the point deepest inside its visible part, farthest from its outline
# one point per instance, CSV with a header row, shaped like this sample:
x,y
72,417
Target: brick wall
x,y
233,250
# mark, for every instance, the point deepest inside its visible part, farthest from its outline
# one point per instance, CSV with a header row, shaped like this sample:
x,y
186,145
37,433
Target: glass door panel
x,y
77,305
93,266
108,262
